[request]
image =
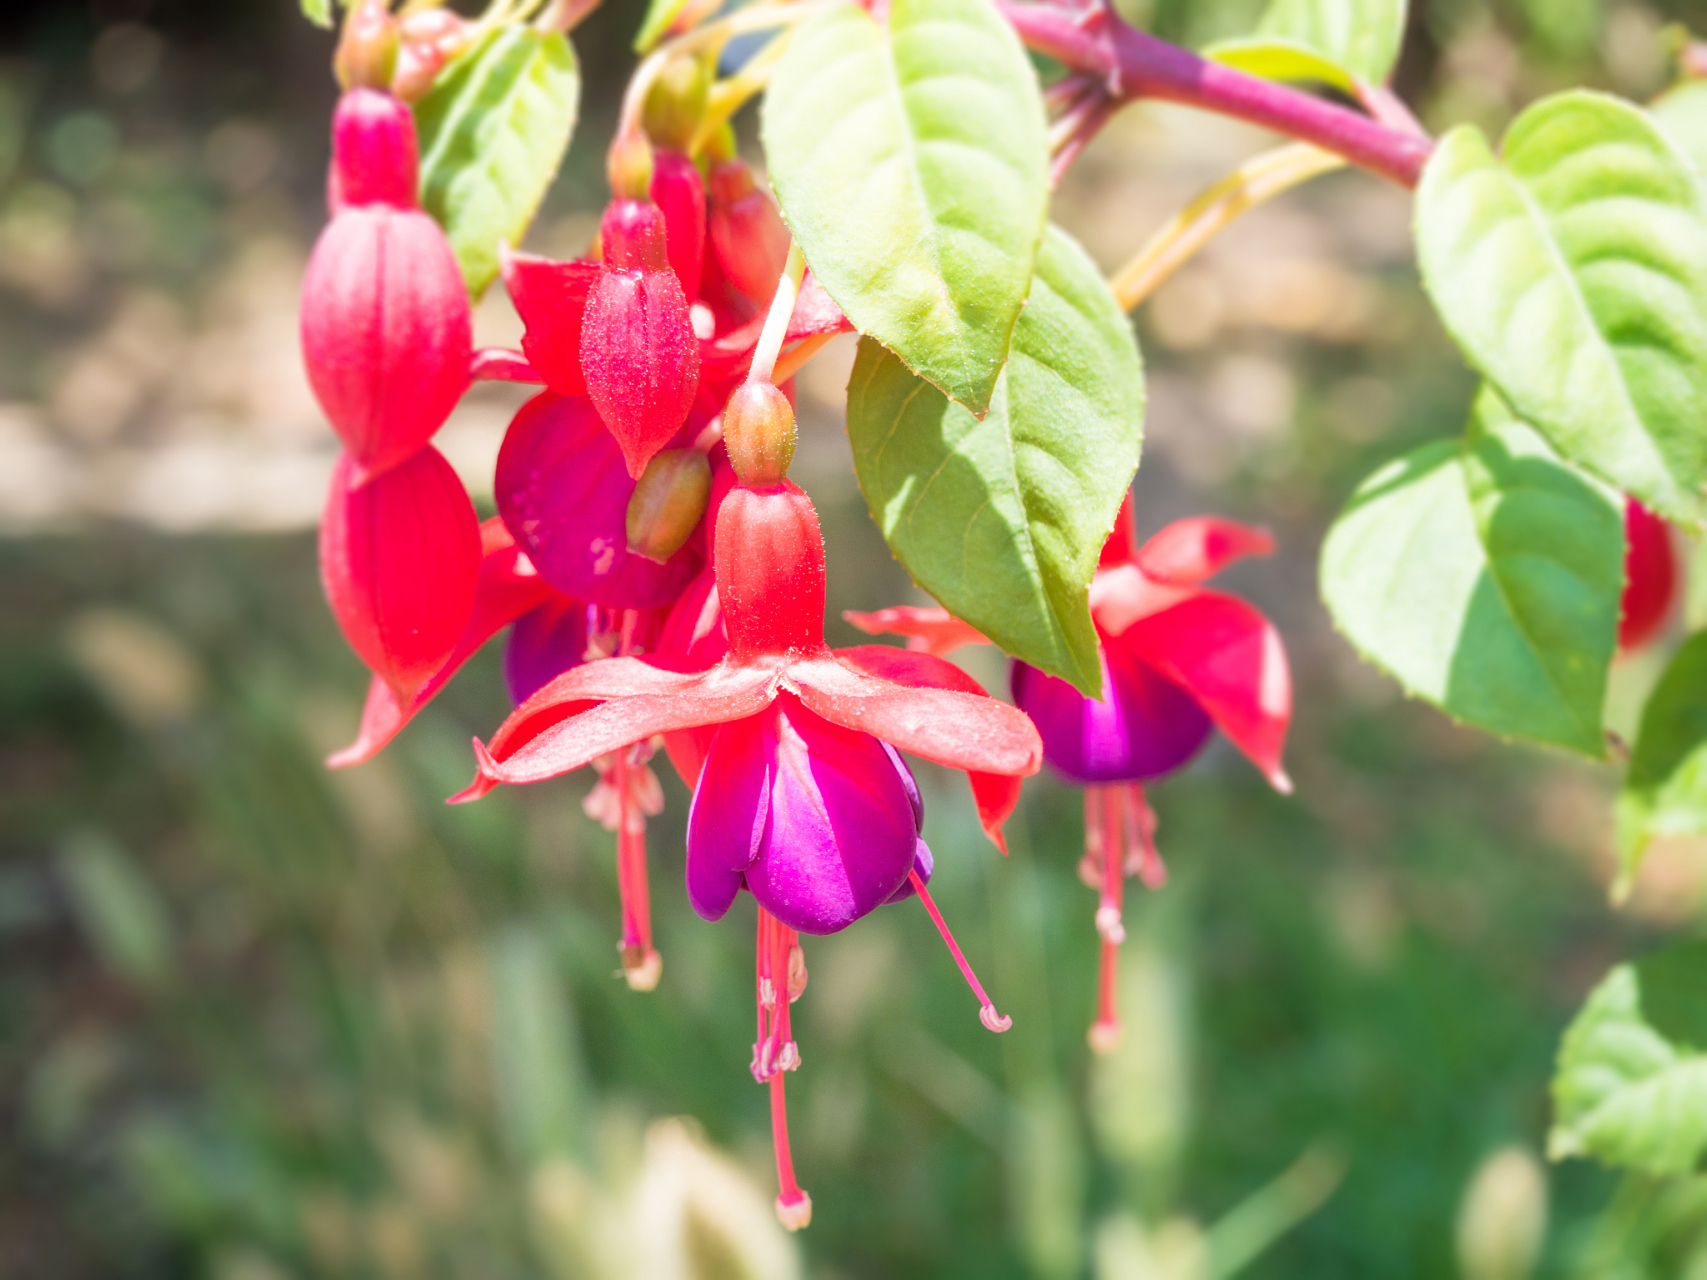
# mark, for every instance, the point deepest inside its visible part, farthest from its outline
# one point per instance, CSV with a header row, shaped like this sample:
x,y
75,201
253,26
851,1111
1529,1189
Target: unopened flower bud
x,y
668,503
367,51
680,195
629,166
758,431
676,103
747,233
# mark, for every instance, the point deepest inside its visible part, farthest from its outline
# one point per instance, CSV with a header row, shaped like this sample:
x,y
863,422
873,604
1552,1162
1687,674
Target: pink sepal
x,y
1191,551
815,313
551,298
928,630
500,364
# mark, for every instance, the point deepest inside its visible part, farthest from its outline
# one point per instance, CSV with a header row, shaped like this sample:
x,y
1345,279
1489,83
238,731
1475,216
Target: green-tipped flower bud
x,y
676,103
758,430
668,502
367,50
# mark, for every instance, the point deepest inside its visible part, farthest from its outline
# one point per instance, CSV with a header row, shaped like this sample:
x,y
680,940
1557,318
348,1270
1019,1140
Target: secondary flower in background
x,y
1177,662
1650,577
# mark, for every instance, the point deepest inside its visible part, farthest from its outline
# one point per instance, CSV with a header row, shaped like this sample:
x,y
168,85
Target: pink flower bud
x,y
386,331
638,350
551,298
747,233
400,558
373,151
680,195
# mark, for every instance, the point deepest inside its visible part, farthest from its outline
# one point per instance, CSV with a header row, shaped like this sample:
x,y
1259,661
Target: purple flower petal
x,y
543,644
819,813
923,863
1146,726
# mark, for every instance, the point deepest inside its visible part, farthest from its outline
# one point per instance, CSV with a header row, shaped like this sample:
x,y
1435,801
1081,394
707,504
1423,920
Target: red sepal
x,y
1119,547
1191,551
551,298
508,588
693,635
815,313
679,192
1650,576
400,559
928,630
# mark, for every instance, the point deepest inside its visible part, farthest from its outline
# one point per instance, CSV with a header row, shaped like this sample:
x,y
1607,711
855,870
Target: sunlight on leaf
x,y
1337,42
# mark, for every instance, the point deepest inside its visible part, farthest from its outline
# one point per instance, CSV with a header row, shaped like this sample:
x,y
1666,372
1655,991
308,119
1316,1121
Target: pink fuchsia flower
x,y
1178,661
1650,577
801,798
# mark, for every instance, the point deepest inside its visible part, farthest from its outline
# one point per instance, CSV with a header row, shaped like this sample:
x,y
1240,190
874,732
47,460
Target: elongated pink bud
x,y
551,298
374,152
639,354
680,195
386,331
400,559
747,233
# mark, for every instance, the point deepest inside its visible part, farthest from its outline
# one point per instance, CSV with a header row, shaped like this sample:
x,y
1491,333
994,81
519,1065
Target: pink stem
x,y
1134,64
986,1007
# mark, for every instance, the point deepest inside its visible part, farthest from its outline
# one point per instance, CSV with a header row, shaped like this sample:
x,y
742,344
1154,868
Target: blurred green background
x,y
262,1021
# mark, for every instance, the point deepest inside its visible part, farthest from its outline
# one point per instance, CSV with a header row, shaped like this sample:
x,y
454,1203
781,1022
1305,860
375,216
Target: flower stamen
x,y
986,1007
1103,815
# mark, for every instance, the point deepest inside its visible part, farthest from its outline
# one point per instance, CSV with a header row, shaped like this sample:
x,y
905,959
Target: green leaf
x,y
1681,112
493,131
119,909
1573,273
319,12
1344,43
1002,519
541,1087
1665,792
912,164
1485,576
1631,1086
659,15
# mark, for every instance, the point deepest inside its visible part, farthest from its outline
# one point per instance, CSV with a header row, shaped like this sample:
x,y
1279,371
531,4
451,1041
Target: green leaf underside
x,y
493,131
659,15
1631,1085
1665,792
1002,519
319,12
1485,576
912,164
1682,114
1574,275
1337,42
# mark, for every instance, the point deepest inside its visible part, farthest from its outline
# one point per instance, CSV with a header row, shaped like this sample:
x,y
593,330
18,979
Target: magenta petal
x,y
563,490
544,643
836,835
923,863
1146,726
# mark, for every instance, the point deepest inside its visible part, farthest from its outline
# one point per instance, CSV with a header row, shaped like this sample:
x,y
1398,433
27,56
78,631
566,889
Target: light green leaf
x,y
1339,42
1484,576
1573,273
1002,519
319,12
1631,1085
912,164
659,15
118,908
493,131
1665,793
1681,113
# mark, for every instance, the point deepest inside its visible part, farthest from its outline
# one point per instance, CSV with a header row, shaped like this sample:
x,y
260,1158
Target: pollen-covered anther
x,y
794,1212
796,972
788,1059
642,967
1109,925
993,1021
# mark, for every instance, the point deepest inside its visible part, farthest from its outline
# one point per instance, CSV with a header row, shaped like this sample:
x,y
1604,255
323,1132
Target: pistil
x,y
1104,813
779,979
986,1007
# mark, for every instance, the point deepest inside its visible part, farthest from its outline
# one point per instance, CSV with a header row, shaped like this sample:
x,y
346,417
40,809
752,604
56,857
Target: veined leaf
x,y
1682,114
659,15
1339,42
1665,793
1631,1086
912,164
1002,519
319,12
493,131
1573,273
1484,576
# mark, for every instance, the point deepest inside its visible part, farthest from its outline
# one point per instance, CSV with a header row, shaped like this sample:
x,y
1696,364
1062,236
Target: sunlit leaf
x,y
1338,42
1682,113
1665,793
659,15
1002,519
1572,270
912,165
1631,1086
493,131
319,12
1484,576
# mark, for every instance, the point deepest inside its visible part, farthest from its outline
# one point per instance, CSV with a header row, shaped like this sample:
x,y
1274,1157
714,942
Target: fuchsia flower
x,y
747,231
801,798
1650,577
1177,662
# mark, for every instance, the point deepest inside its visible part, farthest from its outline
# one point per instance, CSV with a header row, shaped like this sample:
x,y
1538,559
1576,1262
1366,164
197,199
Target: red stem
x,y
1134,64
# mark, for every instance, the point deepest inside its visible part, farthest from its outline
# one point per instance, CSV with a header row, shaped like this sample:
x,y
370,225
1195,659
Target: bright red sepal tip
x,y
551,299
1650,577
400,556
508,588
770,582
929,629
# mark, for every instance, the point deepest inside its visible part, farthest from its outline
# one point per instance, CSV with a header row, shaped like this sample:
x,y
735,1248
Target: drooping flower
x,y
1178,661
800,797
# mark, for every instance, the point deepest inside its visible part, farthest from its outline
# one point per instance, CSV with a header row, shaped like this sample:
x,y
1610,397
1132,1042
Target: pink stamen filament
x,y
793,1205
775,1054
1141,838
1105,1031
640,961
986,1007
